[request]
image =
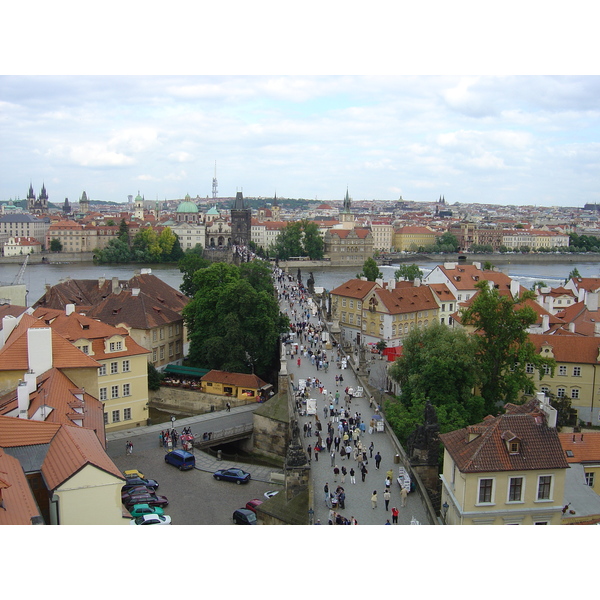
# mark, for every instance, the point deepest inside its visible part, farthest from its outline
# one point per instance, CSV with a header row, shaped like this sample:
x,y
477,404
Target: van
x,y
181,459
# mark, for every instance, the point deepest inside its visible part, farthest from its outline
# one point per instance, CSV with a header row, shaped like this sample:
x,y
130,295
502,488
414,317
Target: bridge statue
x,y
310,284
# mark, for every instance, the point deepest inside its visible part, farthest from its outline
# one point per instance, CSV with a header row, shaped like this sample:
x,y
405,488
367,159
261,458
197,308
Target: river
x,y
37,276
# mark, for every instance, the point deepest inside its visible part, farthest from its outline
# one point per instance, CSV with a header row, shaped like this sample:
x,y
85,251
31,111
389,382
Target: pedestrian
x,y
343,452
161,441
336,443
344,473
305,429
328,443
317,449
363,472
395,512
377,460
342,499
336,472
388,482
326,490
332,455
403,495
309,430
386,498
309,450
352,475
374,499
299,361
348,452
389,474
387,522
371,448
228,407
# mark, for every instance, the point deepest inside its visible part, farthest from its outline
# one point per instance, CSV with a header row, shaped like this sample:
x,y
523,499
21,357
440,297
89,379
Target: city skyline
x,y
492,140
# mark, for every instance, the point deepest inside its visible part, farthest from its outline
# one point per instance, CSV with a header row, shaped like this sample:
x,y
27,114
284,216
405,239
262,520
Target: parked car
x,y
137,491
271,493
236,475
252,504
243,516
131,482
181,459
151,499
137,510
151,520
133,473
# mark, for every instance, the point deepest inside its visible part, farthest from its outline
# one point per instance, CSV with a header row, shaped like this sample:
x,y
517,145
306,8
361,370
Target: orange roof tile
x,y
20,432
19,505
354,288
238,379
584,447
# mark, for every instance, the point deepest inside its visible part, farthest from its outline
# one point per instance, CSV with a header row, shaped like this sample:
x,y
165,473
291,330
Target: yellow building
x,y
242,386
507,470
411,237
347,302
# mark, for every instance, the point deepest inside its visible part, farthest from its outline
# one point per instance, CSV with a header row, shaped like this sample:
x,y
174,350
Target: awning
x,y
189,371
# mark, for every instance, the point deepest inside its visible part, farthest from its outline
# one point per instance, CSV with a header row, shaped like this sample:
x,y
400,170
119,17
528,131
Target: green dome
x,y
213,211
187,207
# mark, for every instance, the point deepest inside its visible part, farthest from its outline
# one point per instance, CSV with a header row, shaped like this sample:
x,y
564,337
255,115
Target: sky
x,y
499,136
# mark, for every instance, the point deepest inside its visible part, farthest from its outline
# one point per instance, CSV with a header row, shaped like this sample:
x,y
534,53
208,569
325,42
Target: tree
x,y
145,246
55,245
124,231
232,325
572,275
370,270
191,262
439,363
289,242
408,272
537,285
116,251
448,241
313,242
166,241
110,223
503,348
154,377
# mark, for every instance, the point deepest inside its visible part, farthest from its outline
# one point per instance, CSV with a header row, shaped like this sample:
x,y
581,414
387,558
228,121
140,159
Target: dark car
x,y
252,504
243,516
137,481
137,491
236,475
151,499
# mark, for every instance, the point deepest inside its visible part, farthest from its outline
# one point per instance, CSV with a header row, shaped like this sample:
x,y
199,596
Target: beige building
x,y
410,238
348,247
507,470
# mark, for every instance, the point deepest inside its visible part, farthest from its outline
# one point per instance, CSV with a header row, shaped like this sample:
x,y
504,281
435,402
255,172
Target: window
x,y
177,347
154,355
547,369
154,335
589,479
106,418
351,303
560,392
545,389
126,367
126,389
574,393
170,330
162,333
85,349
177,328
170,349
344,302
103,394
116,346
114,391
562,370
351,318
114,368
544,487
529,368
485,491
515,489
102,370
116,416
576,371
358,305
126,414
162,353
343,317
443,307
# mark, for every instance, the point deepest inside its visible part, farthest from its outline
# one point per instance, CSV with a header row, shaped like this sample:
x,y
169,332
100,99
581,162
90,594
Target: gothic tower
x,y
346,217
84,204
240,221
30,198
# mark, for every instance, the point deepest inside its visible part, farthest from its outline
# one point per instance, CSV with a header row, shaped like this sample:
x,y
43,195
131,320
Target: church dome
x,y
187,207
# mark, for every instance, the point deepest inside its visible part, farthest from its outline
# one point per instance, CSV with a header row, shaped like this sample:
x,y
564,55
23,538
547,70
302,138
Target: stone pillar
x,y
297,470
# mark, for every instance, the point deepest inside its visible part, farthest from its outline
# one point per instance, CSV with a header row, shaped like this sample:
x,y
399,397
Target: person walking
x,y
317,449
377,460
371,448
228,407
326,490
403,495
386,498
309,450
363,472
395,512
332,458
344,473
336,472
374,499
352,476
305,427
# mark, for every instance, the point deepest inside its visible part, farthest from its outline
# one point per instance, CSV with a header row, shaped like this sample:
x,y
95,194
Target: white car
x,y
271,493
151,520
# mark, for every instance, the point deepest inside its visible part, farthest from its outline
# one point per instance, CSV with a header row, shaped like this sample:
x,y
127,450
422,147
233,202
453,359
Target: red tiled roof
x,y
539,446
354,288
585,447
19,505
238,379
569,348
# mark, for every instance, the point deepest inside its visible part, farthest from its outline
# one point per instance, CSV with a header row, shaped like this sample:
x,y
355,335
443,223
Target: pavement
x,y
358,495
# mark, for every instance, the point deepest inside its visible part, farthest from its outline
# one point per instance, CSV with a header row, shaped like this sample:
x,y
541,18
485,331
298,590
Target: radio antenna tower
x,y
215,182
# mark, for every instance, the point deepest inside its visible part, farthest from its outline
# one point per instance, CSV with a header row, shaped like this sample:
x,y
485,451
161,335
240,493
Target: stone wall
x,y
270,437
189,401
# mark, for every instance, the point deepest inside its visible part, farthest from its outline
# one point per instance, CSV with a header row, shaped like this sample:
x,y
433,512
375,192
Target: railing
x,y
231,433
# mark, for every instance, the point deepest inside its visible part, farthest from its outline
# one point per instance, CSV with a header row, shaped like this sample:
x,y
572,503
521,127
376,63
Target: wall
x,y
190,402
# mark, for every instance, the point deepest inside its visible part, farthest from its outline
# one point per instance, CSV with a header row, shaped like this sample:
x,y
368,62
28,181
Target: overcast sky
x,y
512,139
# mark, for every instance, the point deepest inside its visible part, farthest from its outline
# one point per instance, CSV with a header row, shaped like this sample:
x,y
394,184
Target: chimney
x,y
514,288
591,301
545,323
22,399
8,324
39,349
572,327
581,295
417,282
379,282
30,379
101,281
115,284
477,265
135,291
69,309
550,412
